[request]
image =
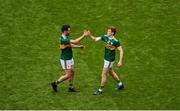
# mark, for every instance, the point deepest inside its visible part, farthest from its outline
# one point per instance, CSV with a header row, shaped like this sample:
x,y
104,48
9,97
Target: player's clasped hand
x,y
86,33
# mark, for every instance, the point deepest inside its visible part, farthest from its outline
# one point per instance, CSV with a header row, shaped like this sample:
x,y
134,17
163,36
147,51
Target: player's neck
x,y
64,35
111,36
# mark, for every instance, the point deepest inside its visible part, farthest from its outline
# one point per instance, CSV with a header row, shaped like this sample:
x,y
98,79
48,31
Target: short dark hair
x,y
65,28
113,29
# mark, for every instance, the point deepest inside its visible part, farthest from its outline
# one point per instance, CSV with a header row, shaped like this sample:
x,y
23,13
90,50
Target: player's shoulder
x,y
104,36
64,38
115,39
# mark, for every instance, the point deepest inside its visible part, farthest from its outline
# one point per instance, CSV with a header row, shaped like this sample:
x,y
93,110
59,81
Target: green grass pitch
x,y
29,53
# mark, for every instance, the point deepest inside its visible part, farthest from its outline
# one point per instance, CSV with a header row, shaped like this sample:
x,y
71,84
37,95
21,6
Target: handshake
x,y
87,33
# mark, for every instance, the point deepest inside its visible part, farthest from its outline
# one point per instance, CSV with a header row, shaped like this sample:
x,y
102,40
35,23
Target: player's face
x,y
67,32
109,32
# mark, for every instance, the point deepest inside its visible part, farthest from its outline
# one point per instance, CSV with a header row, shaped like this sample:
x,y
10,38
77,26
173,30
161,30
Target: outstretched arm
x,y
77,46
94,37
120,56
75,41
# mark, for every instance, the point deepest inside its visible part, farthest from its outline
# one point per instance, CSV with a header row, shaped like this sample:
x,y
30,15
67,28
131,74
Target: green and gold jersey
x,y
66,50
110,45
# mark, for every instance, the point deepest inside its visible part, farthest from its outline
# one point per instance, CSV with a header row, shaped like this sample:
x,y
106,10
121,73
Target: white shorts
x,y
67,64
108,64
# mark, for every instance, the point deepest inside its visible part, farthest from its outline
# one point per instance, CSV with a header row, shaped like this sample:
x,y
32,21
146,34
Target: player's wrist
x,y
83,35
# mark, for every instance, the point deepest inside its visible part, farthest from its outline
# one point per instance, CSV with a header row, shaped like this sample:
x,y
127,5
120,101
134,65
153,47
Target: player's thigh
x,y
111,71
72,68
67,64
108,64
70,64
63,64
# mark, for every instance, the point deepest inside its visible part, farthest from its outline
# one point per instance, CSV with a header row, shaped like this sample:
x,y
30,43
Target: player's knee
x,y
111,71
103,75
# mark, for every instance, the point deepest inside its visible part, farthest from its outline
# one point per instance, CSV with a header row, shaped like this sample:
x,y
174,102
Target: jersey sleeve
x,y
97,39
100,38
103,38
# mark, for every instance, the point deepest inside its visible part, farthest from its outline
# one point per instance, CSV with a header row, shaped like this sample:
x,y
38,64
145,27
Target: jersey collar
x,y
111,37
64,36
